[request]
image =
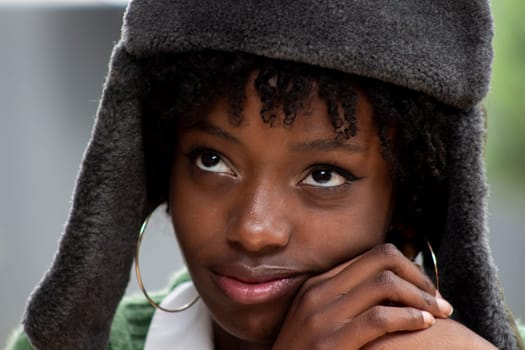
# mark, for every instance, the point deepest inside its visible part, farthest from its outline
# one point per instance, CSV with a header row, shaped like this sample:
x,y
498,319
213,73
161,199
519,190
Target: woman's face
x,y
258,209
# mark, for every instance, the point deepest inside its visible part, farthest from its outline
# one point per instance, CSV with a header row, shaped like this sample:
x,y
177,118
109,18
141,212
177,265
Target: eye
x,y
328,176
210,161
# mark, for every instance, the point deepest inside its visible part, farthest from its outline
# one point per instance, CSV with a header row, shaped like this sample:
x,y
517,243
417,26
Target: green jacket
x,y
130,324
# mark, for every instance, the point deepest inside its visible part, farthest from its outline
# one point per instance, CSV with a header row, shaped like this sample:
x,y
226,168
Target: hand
x,y
444,334
360,301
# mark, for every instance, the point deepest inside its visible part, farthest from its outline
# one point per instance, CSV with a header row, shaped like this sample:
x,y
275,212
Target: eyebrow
x,y
213,130
326,145
319,145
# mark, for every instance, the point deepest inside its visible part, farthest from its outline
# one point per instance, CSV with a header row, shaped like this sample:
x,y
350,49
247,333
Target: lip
x,y
254,285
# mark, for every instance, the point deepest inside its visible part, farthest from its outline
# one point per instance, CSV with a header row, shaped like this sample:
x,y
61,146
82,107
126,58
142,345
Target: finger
x,y
323,289
328,274
387,288
378,321
381,258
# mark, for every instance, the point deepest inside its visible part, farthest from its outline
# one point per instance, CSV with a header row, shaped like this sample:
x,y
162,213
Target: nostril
x,y
257,218
260,235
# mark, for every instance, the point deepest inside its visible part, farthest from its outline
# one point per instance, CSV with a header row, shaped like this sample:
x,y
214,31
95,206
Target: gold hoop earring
x,y
434,261
410,245
139,276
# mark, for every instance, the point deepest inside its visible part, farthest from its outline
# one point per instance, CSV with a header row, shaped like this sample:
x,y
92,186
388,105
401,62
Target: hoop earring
x,y
410,245
434,261
139,276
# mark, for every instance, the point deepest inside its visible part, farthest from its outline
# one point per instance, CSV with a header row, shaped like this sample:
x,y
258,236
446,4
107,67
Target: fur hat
x,y
439,47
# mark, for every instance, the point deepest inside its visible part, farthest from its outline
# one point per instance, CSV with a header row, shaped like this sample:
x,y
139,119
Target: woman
x,y
307,152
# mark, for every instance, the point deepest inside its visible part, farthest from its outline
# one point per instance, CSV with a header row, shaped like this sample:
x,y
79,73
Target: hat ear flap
x,y
467,272
74,304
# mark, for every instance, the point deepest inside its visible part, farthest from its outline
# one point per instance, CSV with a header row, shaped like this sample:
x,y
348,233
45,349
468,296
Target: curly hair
x,y
180,87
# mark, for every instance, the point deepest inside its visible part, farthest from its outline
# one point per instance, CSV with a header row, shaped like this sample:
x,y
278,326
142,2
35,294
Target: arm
x,y
444,334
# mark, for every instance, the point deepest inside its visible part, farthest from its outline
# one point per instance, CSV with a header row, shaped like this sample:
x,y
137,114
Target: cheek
x,y
195,216
377,204
335,239
343,233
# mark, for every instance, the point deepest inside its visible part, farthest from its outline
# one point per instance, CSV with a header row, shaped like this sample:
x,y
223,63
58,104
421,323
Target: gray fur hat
x,y
439,47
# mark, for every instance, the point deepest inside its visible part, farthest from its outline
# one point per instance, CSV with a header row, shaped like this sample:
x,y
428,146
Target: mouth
x,y
247,285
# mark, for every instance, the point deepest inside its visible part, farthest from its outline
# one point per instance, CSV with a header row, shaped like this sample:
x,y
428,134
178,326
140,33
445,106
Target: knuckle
x,y
377,317
385,279
313,323
392,258
429,300
311,298
414,315
389,250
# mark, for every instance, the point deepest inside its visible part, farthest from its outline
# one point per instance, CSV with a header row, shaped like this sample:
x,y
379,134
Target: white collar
x,y
188,329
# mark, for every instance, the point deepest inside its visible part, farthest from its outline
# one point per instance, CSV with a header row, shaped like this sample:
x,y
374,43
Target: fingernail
x,y
444,306
428,318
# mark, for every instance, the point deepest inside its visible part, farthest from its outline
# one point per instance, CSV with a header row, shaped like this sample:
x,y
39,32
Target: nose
x,y
259,220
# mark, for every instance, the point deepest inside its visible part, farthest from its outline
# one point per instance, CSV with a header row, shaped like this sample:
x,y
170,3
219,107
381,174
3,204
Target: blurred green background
x,y
506,102
505,151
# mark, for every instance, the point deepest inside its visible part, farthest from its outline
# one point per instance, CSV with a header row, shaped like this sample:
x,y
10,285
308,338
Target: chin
x,y
254,336
259,328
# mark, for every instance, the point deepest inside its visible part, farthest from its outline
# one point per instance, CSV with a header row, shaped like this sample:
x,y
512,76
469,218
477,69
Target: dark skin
x,y
252,203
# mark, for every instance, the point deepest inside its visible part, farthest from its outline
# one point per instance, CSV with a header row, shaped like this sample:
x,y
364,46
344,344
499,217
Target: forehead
x,y
312,118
